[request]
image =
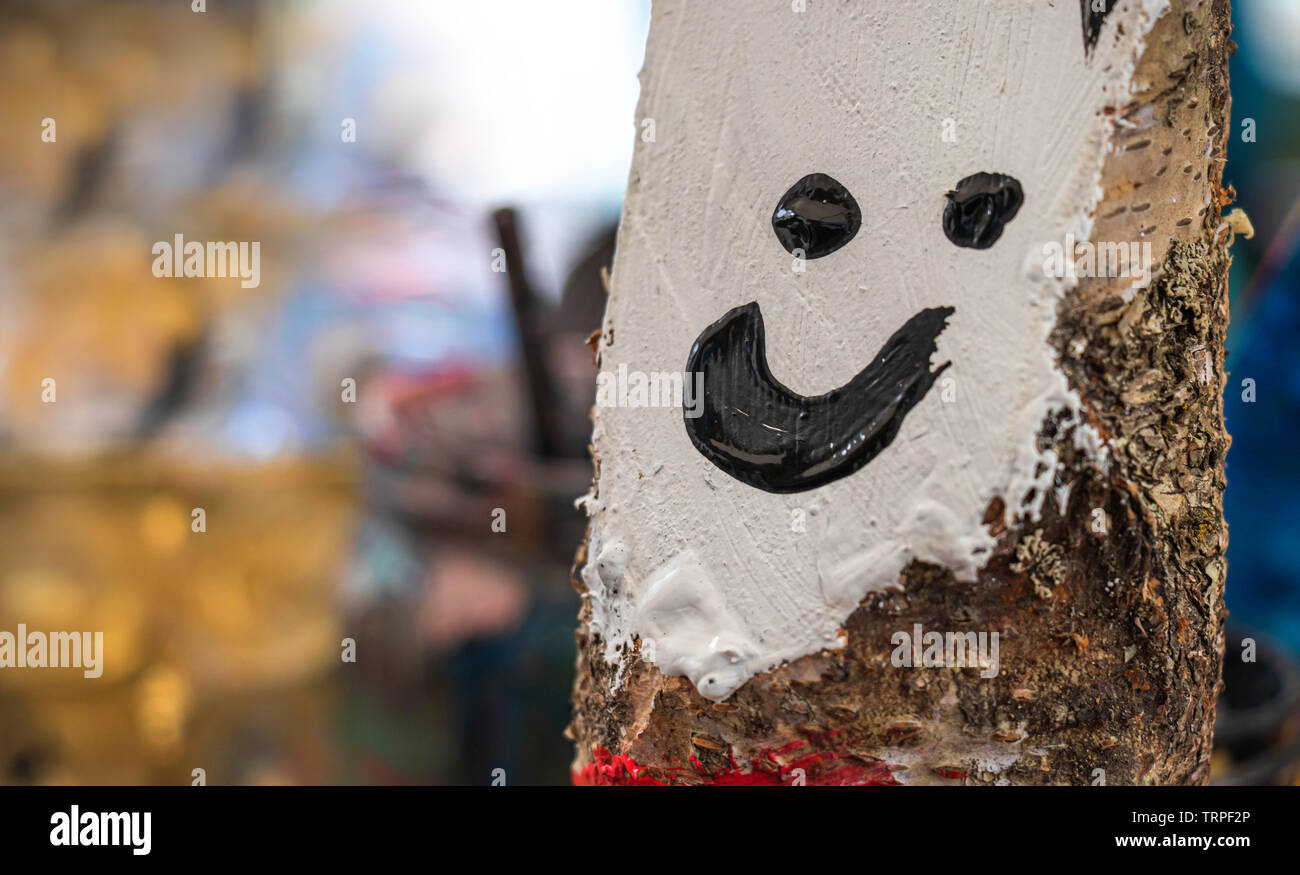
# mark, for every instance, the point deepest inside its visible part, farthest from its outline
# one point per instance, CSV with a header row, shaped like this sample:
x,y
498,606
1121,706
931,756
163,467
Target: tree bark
x,y
1109,604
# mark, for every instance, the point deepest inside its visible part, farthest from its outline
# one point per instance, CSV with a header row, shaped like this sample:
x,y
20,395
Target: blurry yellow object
x,y
1220,764
97,322
163,705
164,523
190,619
95,67
48,594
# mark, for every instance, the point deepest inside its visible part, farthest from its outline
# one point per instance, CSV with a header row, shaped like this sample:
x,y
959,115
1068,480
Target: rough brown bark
x,y
1111,643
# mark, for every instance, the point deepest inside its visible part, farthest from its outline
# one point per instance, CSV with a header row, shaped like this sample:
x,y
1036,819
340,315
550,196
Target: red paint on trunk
x,y
613,770
821,769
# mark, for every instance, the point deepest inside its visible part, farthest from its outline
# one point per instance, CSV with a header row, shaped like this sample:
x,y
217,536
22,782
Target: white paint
x,y
745,103
694,632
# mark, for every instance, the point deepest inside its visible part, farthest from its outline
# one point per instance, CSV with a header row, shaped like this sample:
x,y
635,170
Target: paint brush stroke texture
x,y
763,434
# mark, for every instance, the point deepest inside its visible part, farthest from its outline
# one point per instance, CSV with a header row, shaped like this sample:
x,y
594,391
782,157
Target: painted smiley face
x,y
760,432
903,304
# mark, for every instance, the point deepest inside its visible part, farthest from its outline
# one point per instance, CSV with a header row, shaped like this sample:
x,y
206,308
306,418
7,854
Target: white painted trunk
x,y
898,102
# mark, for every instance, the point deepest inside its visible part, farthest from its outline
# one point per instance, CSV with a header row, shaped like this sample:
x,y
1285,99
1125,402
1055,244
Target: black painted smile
x,y
760,432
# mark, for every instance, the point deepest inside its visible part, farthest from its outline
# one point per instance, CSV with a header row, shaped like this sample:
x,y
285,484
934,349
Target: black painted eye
x,y
979,208
817,215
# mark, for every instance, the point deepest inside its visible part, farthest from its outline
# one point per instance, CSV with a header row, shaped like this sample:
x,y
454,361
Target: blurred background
x,y
385,436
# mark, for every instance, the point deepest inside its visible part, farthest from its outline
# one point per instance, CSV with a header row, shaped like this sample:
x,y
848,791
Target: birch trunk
x,y
1055,489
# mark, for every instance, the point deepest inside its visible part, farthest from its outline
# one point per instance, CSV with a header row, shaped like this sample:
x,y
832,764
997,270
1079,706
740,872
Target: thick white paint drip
x,y
716,576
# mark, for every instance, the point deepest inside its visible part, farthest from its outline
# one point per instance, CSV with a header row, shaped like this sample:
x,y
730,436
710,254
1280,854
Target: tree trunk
x,y
1052,487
